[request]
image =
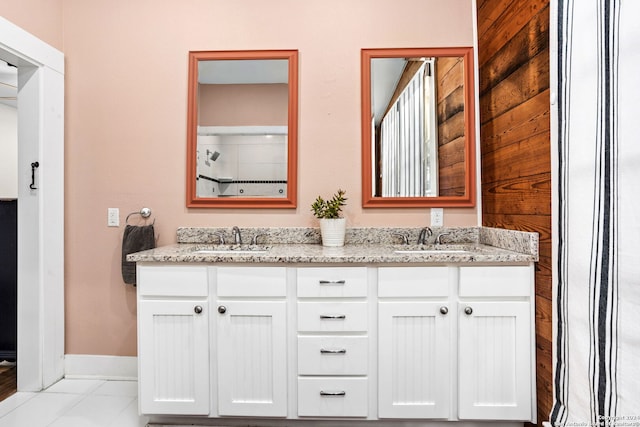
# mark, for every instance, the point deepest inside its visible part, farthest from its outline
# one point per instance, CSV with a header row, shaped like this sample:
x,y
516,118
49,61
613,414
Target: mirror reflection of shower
x,y
242,161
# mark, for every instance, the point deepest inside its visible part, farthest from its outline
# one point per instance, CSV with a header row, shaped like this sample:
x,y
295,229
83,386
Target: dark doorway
x,y
8,279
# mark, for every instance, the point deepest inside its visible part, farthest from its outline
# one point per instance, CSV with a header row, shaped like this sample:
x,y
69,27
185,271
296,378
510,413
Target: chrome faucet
x,y
424,233
237,237
220,238
404,237
254,240
439,238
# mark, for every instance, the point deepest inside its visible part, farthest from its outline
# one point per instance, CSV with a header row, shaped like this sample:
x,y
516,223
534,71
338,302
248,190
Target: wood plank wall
x,y
513,55
451,136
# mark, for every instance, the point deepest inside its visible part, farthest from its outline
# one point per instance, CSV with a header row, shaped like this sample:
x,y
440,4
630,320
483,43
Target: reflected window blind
x,y
402,138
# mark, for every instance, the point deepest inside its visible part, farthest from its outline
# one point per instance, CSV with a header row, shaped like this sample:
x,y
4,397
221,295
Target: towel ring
x,y
144,213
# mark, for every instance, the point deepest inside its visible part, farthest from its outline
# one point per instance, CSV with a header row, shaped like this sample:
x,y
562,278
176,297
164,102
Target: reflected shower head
x,y
213,155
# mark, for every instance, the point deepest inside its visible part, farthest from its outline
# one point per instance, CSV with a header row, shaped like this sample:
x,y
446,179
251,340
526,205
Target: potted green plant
x,y
332,225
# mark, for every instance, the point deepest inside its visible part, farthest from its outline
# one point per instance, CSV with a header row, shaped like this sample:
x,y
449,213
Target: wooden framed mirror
x,y
242,129
418,127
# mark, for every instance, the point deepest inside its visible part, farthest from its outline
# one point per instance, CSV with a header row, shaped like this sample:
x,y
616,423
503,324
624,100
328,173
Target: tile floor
x,y
75,403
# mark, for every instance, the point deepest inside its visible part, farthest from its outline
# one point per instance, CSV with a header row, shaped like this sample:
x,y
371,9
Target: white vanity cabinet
x,y
173,340
332,335
251,345
414,344
473,323
495,343
399,343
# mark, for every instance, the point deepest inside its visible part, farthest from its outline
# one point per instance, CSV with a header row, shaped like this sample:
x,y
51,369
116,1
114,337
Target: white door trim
x,y
41,211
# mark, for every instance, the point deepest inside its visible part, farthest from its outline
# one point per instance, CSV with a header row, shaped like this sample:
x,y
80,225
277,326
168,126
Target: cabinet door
x,y
495,360
414,360
173,357
252,358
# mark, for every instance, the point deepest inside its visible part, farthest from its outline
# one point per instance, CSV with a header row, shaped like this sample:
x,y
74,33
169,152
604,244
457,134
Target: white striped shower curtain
x,y
596,148
409,164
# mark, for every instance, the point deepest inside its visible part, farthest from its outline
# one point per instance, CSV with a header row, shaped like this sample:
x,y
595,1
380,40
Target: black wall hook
x,y
34,165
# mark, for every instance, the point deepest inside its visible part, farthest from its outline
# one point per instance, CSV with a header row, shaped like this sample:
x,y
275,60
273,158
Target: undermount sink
x,y
232,250
229,251
432,249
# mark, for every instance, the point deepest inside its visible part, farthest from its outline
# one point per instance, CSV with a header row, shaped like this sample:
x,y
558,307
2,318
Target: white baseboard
x,y
100,367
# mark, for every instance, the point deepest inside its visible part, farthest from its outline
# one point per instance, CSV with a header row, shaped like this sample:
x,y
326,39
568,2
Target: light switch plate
x,y
437,217
113,217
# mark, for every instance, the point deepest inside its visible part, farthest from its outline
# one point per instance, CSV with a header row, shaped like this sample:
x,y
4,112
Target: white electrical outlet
x,y
113,217
437,217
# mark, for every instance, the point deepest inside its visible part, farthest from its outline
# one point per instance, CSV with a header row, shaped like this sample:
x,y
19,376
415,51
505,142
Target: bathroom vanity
x,y
370,331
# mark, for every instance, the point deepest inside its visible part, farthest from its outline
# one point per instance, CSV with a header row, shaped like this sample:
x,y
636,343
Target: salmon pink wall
x,y
243,104
42,18
126,109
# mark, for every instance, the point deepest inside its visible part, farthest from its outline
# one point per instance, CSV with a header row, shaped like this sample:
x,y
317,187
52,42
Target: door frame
x,y
40,353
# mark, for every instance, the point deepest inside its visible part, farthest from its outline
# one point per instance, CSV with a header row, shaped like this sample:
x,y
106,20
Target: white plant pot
x,y
333,231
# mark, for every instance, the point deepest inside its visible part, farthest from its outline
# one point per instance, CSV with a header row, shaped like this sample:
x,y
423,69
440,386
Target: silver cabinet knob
x,y
468,310
222,309
197,309
444,310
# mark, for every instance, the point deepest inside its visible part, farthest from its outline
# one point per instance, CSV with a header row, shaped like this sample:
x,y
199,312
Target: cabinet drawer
x,y
252,281
413,281
332,282
330,355
332,316
171,280
507,281
332,397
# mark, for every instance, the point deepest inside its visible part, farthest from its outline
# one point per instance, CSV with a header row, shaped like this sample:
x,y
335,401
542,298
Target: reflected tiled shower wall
x,y
246,165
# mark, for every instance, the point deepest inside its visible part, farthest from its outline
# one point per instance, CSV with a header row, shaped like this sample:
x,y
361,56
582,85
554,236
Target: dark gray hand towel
x,y
136,238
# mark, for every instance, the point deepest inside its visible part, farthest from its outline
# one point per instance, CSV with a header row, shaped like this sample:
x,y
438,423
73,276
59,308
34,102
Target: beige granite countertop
x,y
465,245
315,253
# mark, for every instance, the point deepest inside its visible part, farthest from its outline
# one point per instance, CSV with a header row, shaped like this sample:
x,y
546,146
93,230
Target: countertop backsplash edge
x,y
513,240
